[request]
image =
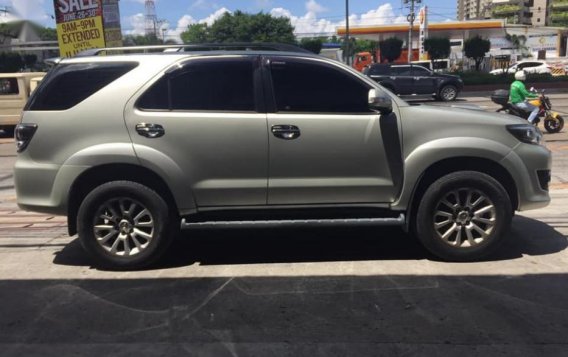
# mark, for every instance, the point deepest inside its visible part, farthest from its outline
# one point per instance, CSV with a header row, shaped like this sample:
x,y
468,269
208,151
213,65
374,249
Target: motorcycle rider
x,y
519,94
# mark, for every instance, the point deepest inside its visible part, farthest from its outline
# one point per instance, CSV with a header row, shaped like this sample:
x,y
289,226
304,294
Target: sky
x,y
309,17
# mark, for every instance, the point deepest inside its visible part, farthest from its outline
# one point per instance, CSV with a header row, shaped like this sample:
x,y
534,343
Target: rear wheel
x,y
463,216
553,125
448,93
124,225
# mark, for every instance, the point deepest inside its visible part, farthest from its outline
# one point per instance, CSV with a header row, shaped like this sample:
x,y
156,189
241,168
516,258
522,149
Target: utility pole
x,y
347,40
411,17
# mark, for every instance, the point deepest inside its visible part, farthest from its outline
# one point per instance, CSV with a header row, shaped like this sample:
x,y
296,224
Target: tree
x,y
47,33
437,48
7,31
518,42
141,40
195,33
311,44
242,27
476,48
391,48
10,62
29,60
365,46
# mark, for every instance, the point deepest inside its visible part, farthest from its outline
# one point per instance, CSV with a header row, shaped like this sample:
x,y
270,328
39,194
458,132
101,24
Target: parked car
x,y
15,88
161,141
410,79
533,67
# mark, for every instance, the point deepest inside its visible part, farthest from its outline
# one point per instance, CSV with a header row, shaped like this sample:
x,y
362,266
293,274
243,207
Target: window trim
x,y
180,67
271,106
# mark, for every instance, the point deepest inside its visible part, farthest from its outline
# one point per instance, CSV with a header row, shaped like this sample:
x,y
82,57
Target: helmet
x,y
520,75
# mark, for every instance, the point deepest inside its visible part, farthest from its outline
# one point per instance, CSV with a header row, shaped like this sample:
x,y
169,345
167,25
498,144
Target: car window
x,y
379,70
9,86
401,70
314,87
420,71
211,85
67,85
528,65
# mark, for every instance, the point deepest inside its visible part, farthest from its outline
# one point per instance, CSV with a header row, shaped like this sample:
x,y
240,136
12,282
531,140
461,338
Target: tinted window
x,y
420,71
401,70
66,85
9,86
379,69
219,85
308,87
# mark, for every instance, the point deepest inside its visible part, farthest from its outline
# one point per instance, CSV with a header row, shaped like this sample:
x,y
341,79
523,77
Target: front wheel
x,y
554,125
463,216
124,225
448,93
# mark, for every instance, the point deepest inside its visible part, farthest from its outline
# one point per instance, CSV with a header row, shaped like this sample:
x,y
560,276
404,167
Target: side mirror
x,y
381,103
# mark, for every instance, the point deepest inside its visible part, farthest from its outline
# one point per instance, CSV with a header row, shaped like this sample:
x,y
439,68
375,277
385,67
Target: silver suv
x,y
133,147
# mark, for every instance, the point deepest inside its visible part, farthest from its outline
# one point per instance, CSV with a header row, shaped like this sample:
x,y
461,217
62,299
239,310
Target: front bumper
x,y
530,167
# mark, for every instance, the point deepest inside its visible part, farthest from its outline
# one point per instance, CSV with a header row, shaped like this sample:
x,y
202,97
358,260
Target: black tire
x,y
106,200
554,126
431,212
448,93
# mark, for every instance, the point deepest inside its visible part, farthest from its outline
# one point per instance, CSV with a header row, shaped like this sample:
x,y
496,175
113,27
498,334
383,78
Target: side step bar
x,y
342,222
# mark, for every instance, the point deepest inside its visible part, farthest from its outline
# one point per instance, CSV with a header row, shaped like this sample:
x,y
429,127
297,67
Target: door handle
x,y
286,132
150,130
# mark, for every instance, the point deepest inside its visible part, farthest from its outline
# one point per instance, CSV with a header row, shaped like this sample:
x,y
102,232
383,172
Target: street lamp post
x,y
347,42
410,19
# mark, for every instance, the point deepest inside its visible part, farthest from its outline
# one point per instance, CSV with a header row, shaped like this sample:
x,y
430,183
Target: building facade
x,y
473,9
521,12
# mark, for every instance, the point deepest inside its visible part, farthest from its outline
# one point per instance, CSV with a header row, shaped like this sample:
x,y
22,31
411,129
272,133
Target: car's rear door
x,y
326,146
203,122
424,81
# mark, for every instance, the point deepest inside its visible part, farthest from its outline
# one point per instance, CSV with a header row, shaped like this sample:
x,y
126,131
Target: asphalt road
x,y
290,292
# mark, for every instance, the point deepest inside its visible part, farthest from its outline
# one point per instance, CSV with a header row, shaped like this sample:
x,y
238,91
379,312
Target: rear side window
x,y
9,86
67,85
211,85
379,70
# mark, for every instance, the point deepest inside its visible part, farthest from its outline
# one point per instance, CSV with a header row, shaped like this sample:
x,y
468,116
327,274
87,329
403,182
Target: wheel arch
x,y
97,175
456,164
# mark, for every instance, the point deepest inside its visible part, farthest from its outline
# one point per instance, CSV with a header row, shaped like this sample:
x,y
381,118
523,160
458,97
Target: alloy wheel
x,y
448,93
464,218
123,227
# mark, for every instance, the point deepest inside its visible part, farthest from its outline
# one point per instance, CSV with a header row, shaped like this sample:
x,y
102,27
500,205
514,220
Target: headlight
x,y
526,133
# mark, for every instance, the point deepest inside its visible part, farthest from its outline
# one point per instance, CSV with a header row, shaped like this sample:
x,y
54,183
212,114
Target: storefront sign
x,y
111,23
79,26
423,21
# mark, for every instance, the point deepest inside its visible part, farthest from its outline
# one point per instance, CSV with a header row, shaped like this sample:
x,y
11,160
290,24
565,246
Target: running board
x,y
342,222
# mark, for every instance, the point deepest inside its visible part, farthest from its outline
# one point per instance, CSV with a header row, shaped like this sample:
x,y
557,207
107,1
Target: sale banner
x,y
79,26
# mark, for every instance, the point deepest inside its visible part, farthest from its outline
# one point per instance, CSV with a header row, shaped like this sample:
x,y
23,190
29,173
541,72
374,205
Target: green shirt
x,y
519,93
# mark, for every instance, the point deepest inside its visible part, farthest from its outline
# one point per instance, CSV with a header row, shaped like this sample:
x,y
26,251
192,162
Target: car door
x,y
424,81
402,76
326,146
202,120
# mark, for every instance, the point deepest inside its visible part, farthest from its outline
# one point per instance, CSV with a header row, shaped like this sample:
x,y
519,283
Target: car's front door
x,y
202,123
424,81
326,146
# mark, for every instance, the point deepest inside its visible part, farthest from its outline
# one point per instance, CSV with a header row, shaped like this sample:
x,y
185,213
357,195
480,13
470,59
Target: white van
x,y
15,89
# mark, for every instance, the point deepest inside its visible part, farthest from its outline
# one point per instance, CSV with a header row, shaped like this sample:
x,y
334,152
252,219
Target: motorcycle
x,y
553,122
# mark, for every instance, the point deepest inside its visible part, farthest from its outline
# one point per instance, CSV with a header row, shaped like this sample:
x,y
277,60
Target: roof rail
x,y
234,46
